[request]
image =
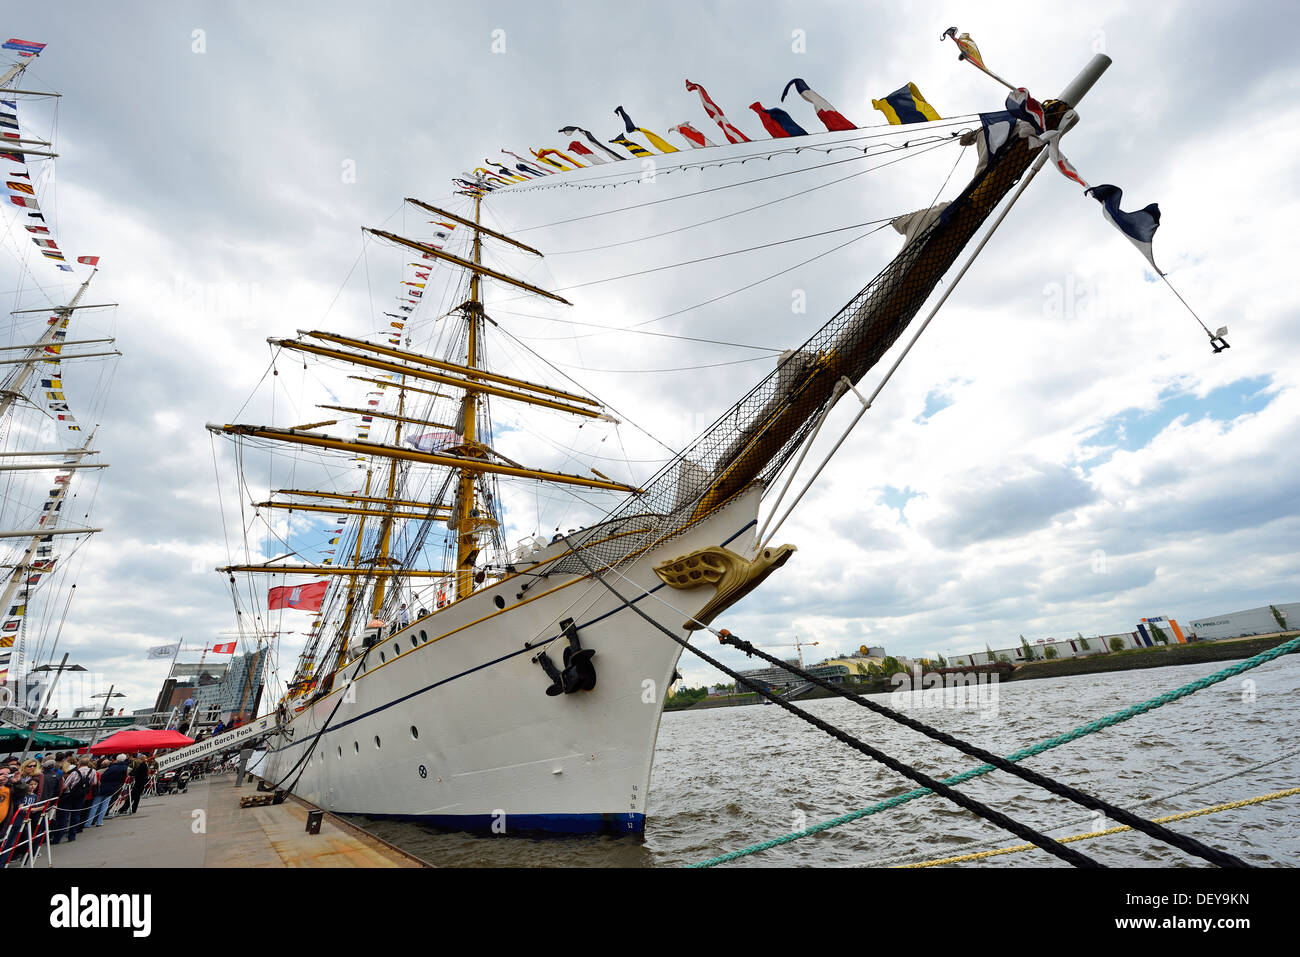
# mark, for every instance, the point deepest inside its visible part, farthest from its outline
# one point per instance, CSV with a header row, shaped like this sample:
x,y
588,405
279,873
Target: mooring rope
x,y
938,787
1184,843
1098,725
1091,835
1075,822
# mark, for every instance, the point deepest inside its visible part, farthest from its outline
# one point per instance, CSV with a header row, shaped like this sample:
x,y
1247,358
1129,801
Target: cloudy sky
x,y
1060,453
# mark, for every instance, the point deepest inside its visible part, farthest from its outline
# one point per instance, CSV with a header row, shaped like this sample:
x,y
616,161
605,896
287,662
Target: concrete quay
x,y
206,827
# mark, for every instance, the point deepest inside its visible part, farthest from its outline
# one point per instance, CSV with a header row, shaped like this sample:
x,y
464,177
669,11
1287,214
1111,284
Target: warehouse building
x,y
1252,621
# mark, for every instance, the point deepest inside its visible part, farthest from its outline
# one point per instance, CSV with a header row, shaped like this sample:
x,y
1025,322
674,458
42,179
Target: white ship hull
x,y
456,728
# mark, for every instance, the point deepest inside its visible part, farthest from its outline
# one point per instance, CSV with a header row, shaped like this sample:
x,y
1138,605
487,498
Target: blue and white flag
x,y
1024,107
1139,227
997,129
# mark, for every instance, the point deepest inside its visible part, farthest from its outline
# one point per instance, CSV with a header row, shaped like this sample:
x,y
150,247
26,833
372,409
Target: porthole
x,y
340,752
499,601
356,747
415,732
377,744
397,647
413,641
381,658
423,636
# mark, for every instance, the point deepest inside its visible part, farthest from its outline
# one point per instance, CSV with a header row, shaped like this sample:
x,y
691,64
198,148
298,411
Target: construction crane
x,y
796,644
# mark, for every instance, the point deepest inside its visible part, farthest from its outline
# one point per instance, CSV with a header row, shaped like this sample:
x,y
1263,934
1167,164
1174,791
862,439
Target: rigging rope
x,y
878,223
307,752
748,209
638,332
1085,729
952,138
624,178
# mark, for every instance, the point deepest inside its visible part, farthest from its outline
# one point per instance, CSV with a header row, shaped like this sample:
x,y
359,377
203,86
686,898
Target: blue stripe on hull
x,y
517,823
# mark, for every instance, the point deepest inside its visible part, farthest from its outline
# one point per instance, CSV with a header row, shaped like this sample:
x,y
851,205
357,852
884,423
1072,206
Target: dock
x,y
205,827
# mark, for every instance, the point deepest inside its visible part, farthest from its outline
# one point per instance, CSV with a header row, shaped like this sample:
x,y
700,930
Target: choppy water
x,y
728,778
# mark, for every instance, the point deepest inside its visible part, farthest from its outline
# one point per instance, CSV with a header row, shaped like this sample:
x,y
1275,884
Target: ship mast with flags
x,y
37,391
459,446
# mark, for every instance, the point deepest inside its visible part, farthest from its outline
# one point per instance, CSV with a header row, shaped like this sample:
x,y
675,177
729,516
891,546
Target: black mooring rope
x,y
938,787
1181,841
311,748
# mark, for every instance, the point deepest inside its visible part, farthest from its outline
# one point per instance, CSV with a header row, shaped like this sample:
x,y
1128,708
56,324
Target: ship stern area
x,y
532,705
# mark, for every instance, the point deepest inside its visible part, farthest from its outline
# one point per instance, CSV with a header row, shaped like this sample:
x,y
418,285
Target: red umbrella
x,y
134,742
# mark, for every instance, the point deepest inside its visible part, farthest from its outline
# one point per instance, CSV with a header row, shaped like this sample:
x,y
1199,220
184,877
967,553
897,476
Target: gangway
x,y
245,735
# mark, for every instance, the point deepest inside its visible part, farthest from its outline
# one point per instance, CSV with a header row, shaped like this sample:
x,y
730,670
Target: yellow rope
x,y
1114,830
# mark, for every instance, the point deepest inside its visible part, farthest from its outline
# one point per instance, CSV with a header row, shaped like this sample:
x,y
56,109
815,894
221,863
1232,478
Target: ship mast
x,y
47,348
13,387
382,559
469,512
465,517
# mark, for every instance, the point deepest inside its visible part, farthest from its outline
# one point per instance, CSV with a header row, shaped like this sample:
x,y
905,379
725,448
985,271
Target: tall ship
x,y
457,678
56,371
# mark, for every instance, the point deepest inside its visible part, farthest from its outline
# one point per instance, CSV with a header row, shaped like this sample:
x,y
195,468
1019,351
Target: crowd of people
x,y
83,788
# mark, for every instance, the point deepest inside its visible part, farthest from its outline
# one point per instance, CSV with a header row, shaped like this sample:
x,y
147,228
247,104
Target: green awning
x,y
13,738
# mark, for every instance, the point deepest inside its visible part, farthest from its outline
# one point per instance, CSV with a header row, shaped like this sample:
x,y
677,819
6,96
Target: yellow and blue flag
x,y
906,105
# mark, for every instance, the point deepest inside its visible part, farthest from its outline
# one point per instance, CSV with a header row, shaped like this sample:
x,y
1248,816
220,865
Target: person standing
x,y
104,792
50,782
403,616
139,778
31,768
77,787
87,766
7,801
111,782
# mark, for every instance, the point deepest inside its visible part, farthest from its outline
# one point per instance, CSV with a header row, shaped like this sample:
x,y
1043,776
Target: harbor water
x,y
727,778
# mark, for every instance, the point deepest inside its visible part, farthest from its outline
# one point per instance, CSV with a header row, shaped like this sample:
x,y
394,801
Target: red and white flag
x,y
88,260
732,134
227,649
691,135
586,153
302,597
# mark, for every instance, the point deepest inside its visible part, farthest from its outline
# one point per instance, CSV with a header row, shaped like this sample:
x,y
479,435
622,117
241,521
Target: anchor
x,y
578,674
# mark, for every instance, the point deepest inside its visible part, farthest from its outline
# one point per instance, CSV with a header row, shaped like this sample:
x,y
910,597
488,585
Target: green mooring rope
x,y
1098,725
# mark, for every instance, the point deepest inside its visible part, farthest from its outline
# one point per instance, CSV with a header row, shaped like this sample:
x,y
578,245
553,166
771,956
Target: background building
x,y
1252,621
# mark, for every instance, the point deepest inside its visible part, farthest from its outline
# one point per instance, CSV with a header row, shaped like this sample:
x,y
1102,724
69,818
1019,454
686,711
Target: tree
x,y
989,652
1049,652
1083,642
943,662
1281,618
1157,634
1029,651
1117,643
